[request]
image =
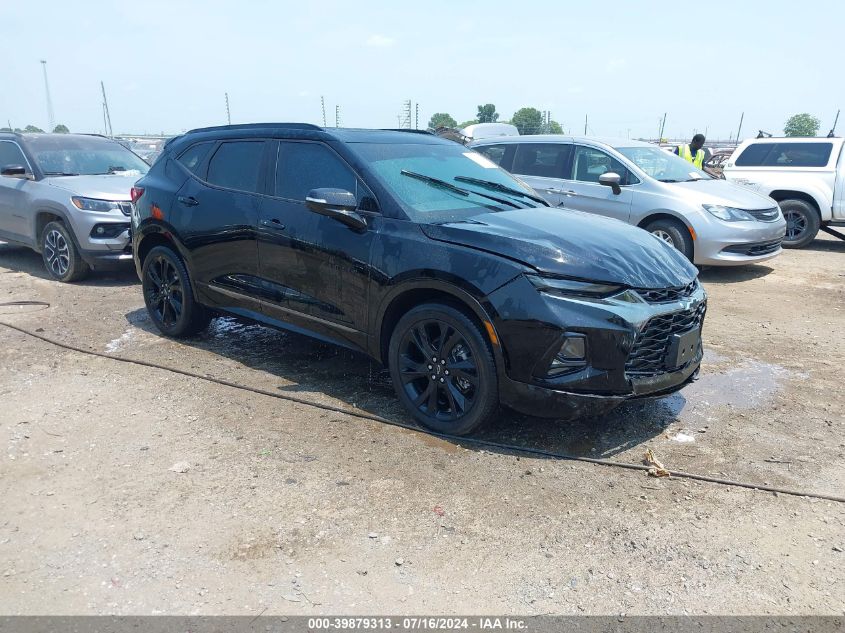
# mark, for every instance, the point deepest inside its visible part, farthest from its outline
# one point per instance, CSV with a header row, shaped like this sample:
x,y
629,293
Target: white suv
x,y
805,175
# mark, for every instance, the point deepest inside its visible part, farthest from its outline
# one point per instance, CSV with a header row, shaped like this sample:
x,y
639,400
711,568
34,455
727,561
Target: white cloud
x,y
380,41
616,64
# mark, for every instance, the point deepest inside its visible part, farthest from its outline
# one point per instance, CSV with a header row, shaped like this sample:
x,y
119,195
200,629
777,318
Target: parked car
x,y
478,131
716,163
806,176
423,255
710,221
67,197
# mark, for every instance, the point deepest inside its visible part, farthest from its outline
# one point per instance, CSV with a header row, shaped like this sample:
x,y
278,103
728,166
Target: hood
x,y
572,244
103,187
722,192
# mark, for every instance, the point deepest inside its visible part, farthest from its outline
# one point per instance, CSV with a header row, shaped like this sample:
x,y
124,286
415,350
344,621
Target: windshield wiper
x,y
442,184
500,187
59,173
667,180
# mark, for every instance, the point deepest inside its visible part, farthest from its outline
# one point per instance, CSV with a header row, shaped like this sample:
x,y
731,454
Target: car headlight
x,y
728,214
572,288
92,204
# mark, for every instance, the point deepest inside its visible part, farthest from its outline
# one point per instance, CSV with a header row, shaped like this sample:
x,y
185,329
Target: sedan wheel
x,y
57,253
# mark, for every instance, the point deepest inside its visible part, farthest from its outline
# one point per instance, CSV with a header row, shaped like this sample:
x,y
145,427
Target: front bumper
x,y
735,243
531,326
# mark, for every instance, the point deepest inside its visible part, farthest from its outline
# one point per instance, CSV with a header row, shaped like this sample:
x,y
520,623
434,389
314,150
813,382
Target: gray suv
x,y
67,196
712,222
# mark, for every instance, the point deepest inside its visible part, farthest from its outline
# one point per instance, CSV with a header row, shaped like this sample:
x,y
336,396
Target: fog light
x,y
571,356
573,348
100,230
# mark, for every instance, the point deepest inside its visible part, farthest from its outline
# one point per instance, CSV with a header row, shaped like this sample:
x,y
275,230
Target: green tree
x,y
487,113
5,129
528,121
32,128
60,129
801,125
467,123
552,127
441,119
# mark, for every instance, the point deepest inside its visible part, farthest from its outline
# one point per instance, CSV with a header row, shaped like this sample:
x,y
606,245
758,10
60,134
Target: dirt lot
x,y
130,490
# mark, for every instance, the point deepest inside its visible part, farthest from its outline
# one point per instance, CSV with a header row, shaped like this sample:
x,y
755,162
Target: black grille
x,y
648,356
765,215
756,248
667,295
126,208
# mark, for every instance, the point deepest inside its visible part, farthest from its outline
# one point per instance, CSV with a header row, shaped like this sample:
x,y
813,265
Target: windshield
x,y
463,169
57,154
661,165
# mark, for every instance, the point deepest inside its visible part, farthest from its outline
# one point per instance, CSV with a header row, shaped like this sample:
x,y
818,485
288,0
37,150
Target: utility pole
x,y
51,119
585,125
662,129
323,105
417,117
739,129
228,113
106,115
337,116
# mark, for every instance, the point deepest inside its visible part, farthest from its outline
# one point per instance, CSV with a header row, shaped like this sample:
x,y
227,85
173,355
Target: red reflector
x,y
136,193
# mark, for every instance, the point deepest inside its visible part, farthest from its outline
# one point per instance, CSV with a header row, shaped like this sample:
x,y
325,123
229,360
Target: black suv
x,y
424,255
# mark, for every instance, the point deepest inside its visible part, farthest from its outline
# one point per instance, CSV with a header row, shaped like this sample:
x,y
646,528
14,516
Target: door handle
x,y
273,224
188,201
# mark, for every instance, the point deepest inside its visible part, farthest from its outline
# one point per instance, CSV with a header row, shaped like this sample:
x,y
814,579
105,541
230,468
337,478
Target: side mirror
x,y
337,204
14,171
612,180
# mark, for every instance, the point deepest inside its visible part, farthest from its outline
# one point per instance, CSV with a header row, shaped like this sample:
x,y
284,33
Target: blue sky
x,y
167,64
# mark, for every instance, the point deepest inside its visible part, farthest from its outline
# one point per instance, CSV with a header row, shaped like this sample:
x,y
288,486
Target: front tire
x,y
61,257
443,369
167,293
674,233
802,223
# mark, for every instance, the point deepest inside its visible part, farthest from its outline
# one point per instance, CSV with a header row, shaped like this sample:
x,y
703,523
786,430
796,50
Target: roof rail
x,y
404,129
253,126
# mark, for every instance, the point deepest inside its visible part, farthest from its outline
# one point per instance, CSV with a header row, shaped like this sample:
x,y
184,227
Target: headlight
x,y
572,288
91,204
728,214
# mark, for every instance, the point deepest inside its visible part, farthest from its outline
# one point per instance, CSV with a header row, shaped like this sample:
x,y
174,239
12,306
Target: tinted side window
x,y
192,157
236,165
785,155
494,152
10,154
548,160
590,163
302,167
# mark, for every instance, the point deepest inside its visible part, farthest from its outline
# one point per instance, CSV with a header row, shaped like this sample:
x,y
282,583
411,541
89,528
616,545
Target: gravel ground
x,y
128,490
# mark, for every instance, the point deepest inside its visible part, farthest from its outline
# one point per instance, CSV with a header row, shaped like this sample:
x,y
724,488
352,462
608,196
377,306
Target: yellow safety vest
x,y
685,152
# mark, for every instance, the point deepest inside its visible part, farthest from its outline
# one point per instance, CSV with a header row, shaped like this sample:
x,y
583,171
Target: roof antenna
x,y
762,134
832,132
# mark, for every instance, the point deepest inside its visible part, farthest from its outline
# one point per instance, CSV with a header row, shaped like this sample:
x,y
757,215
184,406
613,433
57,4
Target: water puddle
x,y
748,386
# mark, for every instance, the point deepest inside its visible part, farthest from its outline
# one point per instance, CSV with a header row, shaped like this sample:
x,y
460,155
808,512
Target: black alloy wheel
x,y
802,223
168,296
443,369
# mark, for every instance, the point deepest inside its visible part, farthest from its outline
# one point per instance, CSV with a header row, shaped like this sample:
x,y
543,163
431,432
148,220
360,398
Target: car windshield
x,y
57,154
411,172
661,165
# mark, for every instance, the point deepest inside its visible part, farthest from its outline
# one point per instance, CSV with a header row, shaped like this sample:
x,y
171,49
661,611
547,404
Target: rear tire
x,y
674,233
802,223
61,257
443,369
168,295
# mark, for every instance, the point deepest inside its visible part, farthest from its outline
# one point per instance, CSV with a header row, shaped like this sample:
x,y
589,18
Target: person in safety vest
x,y
692,152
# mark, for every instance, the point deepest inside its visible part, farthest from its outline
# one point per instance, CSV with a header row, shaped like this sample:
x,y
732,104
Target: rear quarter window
x,y
785,155
192,158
